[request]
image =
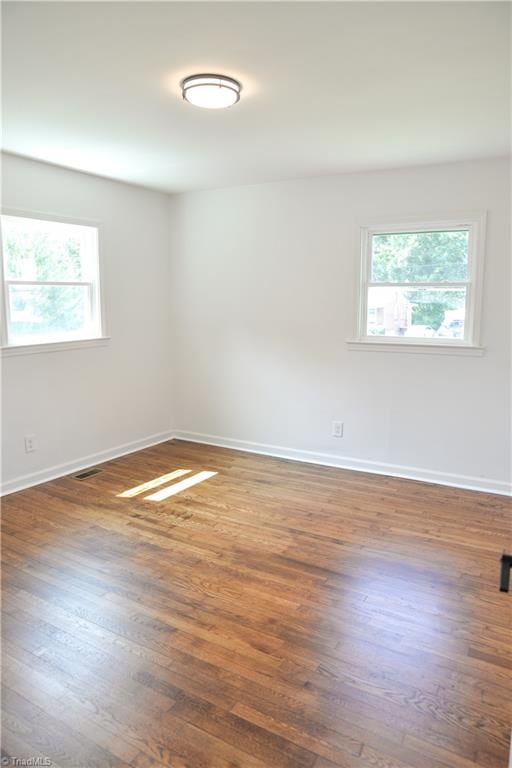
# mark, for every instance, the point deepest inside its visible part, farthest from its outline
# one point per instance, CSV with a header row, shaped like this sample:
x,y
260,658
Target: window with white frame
x,y
51,281
421,283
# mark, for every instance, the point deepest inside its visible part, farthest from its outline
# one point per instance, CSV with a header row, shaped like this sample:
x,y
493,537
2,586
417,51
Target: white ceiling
x,y
328,87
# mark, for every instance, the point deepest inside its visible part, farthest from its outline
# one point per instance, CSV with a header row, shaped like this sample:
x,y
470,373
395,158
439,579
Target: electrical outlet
x,y
337,429
30,443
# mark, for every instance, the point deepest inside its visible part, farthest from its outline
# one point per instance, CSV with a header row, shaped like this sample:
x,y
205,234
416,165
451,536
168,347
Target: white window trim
x,y
54,346
475,223
96,297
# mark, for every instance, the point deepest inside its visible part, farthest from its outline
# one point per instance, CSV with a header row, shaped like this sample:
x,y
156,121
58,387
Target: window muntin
x,y
420,284
51,281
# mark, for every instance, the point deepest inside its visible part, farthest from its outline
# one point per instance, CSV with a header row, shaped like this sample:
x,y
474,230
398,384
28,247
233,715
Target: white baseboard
x,y
358,465
311,457
59,470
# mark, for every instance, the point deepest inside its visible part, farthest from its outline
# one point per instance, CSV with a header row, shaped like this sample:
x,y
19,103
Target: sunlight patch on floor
x,y
178,487
153,483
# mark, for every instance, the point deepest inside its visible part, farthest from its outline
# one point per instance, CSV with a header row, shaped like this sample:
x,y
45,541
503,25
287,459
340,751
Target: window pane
x,y
39,313
421,313
47,250
420,257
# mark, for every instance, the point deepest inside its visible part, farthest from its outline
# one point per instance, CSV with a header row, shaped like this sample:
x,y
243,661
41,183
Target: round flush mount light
x,y
211,91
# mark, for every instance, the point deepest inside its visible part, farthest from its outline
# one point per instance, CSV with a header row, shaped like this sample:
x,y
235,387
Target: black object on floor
x,y
87,473
506,565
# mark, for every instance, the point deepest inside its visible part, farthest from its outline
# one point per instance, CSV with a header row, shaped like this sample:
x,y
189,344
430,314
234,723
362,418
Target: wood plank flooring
x,y
276,615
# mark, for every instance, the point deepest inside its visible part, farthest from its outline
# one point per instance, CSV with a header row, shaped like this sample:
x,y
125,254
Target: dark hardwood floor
x,y
275,615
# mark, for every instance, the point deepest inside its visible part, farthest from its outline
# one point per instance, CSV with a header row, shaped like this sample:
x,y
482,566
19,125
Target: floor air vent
x,y
87,473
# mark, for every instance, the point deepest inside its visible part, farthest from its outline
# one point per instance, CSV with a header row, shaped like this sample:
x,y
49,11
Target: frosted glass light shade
x,y
211,91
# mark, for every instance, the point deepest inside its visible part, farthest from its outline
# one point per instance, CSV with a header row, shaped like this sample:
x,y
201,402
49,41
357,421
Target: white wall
x,y
89,401
228,322
263,293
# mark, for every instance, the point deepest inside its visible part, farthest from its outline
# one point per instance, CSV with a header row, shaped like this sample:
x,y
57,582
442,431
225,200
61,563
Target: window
x,y
51,281
420,285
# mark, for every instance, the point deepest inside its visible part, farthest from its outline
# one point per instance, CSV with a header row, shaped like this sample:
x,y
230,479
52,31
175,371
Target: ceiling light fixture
x,y
211,91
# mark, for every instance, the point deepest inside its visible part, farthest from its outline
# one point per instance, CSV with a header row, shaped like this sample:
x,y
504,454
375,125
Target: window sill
x,y
54,346
422,348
